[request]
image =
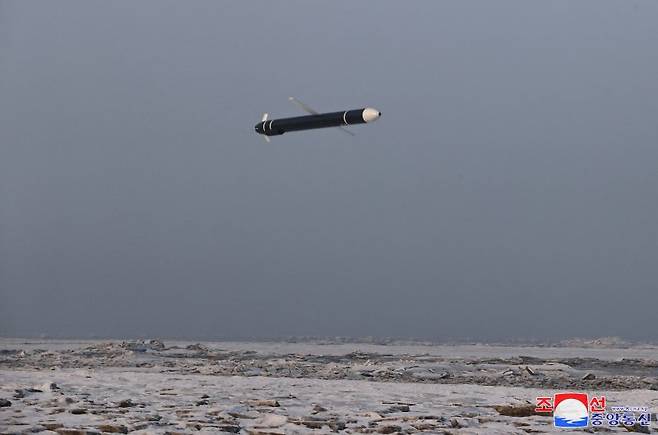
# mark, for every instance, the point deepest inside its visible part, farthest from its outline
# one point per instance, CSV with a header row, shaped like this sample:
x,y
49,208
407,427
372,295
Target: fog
x,y
509,190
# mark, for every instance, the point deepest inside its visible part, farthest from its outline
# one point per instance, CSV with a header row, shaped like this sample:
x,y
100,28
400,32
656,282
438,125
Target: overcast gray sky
x,y
510,189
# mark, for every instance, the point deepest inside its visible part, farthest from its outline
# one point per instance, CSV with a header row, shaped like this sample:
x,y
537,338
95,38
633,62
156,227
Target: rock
x,y
389,429
265,432
317,409
4,403
231,428
65,431
78,411
141,345
241,411
424,373
318,423
264,402
337,425
424,427
52,426
127,403
22,392
202,402
112,428
36,428
517,410
312,424
138,426
371,415
50,386
396,408
271,420
197,347
254,371
156,345
183,413
205,396
456,424
589,377
637,427
135,346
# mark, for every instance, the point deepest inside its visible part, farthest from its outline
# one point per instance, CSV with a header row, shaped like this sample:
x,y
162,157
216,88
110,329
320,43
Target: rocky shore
x,y
151,386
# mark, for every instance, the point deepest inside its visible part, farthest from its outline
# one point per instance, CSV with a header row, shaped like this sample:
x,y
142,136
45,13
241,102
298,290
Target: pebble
x,y
317,409
264,402
66,431
78,411
389,429
396,408
49,386
516,410
112,428
127,403
197,347
270,420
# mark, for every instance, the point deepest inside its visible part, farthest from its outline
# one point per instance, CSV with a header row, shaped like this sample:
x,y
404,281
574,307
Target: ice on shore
x,y
269,388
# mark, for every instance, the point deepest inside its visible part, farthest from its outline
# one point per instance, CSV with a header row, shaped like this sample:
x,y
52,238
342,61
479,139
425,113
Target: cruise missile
x,y
275,127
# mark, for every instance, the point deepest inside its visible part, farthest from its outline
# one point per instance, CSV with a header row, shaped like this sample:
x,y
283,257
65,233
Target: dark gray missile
x,y
275,127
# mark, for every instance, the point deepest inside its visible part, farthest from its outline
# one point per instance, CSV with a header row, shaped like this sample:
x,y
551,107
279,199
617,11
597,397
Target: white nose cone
x,y
369,114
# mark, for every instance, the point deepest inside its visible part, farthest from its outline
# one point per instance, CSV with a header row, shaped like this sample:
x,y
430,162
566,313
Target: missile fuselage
x,y
274,127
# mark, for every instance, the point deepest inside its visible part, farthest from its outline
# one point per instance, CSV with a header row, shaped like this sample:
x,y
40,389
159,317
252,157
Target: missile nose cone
x,y
369,114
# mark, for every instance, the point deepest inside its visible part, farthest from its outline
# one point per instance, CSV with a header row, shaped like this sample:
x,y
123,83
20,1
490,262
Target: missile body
x,y
274,127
